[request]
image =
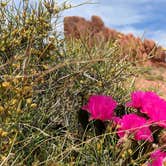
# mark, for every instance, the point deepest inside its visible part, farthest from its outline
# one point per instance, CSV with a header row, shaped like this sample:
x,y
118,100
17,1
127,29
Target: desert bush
x,y
45,80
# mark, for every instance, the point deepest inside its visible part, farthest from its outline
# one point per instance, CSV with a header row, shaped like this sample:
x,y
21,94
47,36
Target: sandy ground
x,y
152,77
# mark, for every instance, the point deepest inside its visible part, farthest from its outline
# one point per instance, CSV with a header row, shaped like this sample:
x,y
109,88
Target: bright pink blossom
x,y
157,158
136,99
100,107
136,125
155,108
145,101
150,104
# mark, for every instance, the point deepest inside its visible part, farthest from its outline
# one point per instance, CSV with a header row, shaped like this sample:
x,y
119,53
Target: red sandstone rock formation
x,y
94,31
78,27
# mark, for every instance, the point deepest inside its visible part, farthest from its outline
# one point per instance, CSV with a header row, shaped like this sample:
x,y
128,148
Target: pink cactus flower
x,y
100,107
136,99
150,104
144,101
157,158
136,125
155,108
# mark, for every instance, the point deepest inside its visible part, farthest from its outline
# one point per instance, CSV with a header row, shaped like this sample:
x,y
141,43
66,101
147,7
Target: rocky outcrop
x,y
94,31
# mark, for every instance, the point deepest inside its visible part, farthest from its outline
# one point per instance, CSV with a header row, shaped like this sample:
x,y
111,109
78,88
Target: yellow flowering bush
x,y
44,81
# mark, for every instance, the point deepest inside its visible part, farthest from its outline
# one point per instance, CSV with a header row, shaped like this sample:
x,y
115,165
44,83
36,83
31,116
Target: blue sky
x,y
144,18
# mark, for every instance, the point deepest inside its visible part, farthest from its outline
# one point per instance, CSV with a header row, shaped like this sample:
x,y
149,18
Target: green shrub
x,y
44,82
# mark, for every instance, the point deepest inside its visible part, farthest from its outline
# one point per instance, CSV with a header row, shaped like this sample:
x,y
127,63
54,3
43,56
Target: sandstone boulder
x,y
94,31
